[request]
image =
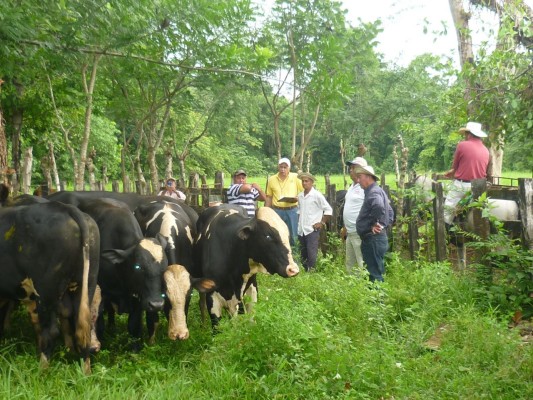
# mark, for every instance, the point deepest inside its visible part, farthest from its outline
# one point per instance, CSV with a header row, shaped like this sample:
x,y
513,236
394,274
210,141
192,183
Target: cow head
x,y
267,239
142,268
179,284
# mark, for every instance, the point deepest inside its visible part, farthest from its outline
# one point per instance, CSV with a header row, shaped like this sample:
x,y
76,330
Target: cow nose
x,y
156,305
293,270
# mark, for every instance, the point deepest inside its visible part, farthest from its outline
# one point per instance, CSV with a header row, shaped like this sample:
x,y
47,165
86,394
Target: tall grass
x,y
322,335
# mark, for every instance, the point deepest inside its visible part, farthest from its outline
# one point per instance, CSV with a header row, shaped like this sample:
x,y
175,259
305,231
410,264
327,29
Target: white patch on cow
x,y
504,210
97,299
168,221
29,289
178,284
219,302
255,268
251,293
189,233
424,184
154,249
208,227
268,215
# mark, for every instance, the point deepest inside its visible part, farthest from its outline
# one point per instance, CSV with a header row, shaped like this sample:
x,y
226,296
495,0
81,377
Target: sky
x,y
403,22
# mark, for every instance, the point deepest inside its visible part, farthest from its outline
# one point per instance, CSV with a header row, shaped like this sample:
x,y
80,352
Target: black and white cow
x,y
49,257
171,221
131,266
231,248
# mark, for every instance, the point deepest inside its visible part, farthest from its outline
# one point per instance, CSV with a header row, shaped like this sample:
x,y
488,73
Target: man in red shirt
x,y
470,161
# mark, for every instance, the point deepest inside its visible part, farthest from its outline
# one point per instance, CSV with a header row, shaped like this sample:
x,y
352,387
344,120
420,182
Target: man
x,y
470,161
281,195
353,201
171,191
314,211
375,216
245,194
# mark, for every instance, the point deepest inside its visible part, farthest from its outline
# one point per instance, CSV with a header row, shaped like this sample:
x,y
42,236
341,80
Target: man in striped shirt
x,y
245,194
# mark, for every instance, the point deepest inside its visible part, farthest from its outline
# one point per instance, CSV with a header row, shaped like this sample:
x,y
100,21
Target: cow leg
x,y
152,322
45,325
96,309
66,321
135,324
203,306
250,294
214,307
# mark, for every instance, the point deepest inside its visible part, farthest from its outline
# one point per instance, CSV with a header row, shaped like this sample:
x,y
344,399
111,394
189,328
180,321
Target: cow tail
x,y
83,325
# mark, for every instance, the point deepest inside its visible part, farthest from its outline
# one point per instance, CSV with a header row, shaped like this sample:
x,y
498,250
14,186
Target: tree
x,y
493,81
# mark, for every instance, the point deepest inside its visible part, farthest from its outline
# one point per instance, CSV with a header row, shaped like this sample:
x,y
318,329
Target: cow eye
x,y
268,237
137,267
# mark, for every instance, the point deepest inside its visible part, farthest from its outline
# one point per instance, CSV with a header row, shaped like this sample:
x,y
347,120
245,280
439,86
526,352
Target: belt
x,y
462,180
284,208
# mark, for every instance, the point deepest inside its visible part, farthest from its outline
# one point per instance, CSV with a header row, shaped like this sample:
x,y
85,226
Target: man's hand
x,y
343,233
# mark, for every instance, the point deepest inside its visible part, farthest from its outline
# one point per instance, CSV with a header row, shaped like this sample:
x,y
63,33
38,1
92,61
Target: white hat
x,y
357,161
367,170
474,128
285,160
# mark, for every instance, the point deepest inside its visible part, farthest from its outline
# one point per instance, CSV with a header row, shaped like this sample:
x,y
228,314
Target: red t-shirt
x,y
471,159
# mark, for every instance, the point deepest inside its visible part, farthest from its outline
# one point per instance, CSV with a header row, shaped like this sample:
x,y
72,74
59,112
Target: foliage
x,y
320,335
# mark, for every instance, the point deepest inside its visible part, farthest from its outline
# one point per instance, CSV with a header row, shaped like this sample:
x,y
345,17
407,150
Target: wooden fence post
x,y
525,194
115,186
193,185
440,228
412,226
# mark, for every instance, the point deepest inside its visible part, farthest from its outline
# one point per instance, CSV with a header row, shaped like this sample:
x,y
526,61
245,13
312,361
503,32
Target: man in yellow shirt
x,y
282,195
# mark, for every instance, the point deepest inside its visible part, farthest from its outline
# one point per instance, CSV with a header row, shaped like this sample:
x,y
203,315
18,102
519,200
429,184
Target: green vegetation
x,y
422,334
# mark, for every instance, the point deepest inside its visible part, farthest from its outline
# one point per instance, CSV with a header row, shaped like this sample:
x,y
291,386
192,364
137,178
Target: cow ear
x,y
245,231
203,285
117,256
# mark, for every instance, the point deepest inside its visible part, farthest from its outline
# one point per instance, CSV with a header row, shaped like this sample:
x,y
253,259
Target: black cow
x,y
49,262
131,266
231,248
171,221
133,200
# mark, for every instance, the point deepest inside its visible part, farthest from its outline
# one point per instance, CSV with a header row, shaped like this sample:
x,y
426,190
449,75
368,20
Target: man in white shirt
x,y
352,205
171,190
314,211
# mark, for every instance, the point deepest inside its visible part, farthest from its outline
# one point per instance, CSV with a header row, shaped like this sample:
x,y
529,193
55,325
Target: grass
x,y
323,335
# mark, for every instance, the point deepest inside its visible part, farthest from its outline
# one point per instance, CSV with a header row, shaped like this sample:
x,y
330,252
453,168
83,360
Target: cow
x,y
231,249
49,259
131,266
171,221
133,200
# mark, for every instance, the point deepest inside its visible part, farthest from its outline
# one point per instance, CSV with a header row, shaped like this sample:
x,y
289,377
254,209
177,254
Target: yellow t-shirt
x,y
277,189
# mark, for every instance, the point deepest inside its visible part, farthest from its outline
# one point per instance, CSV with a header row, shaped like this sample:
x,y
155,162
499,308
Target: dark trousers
x,y
374,248
309,249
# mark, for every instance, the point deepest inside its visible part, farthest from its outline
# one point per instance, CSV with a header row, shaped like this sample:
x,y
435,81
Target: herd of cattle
x,y
72,257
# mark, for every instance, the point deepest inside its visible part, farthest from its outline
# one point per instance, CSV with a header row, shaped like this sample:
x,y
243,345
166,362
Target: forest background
x,y
143,90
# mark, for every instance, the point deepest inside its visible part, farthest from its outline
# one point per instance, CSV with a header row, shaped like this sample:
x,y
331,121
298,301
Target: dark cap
x,y
239,172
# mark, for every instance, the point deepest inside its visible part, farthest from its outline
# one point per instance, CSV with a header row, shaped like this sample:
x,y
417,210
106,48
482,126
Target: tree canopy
x,y
139,90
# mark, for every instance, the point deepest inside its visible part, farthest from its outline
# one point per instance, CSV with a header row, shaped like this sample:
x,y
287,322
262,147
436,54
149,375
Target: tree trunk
x,y
26,170
3,148
89,90
53,165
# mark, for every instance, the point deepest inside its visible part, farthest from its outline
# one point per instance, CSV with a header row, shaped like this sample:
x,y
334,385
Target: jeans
x,y
309,249
374,248
290,217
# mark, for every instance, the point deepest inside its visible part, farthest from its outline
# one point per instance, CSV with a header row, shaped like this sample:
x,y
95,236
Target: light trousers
x,y
353,252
